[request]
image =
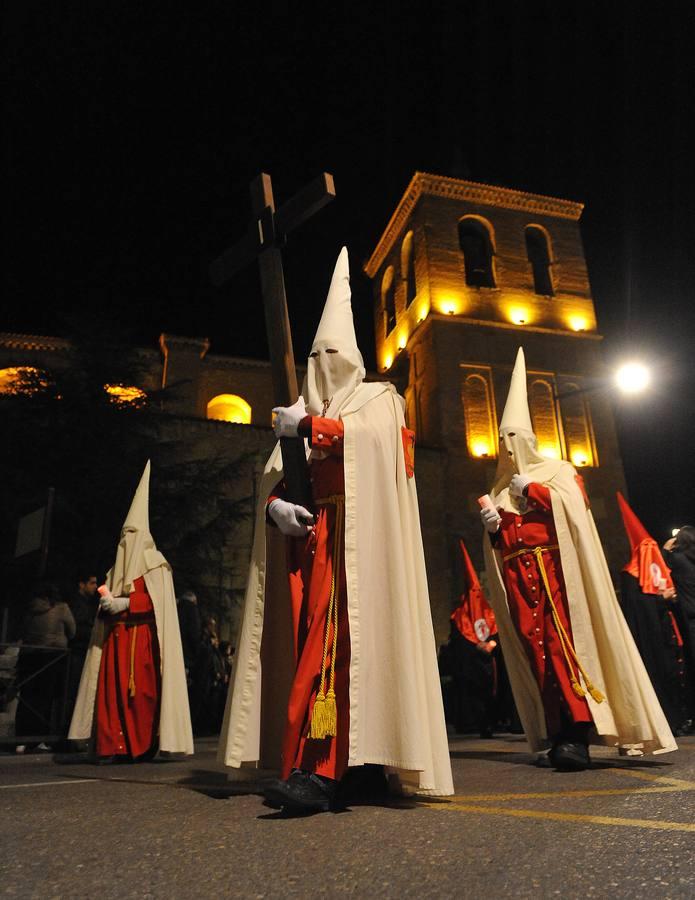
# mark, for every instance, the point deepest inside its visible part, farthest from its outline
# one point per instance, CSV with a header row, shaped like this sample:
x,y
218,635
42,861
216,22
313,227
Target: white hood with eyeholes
x,y
335,369
518,445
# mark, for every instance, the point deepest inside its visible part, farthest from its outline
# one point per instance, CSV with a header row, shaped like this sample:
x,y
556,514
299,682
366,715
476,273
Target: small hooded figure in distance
x,y
133,696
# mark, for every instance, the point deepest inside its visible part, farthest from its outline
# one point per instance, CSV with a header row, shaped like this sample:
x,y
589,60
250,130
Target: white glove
x,y
291,519
491,519
518,485
287,418
114,605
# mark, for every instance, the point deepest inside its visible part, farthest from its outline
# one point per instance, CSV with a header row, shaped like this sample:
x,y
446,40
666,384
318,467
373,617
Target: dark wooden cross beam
x,y
265,236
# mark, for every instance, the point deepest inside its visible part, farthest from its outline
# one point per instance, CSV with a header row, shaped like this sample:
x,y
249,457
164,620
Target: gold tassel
x,y
331,713
318,718
596,694
578,689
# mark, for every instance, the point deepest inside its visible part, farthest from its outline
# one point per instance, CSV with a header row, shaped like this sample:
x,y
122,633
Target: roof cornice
x,y
425,183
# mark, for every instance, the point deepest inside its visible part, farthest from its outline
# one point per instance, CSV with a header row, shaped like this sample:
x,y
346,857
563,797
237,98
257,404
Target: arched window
x,y
475,240
577,426
408,268
479,415
542,407
538,252
388,300
230,408
22,380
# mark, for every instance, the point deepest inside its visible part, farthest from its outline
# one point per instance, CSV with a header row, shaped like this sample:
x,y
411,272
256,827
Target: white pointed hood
x,y
335,368
518,444
136,553
516,415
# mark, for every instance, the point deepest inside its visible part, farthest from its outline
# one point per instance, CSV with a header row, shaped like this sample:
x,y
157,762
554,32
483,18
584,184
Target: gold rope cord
x,y
568,650
324,716
131,678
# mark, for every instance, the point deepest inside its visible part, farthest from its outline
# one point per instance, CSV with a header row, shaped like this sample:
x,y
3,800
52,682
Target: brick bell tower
x,y
463,275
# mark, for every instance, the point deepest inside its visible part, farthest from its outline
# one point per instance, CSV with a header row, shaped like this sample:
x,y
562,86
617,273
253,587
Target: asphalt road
x,y
182,829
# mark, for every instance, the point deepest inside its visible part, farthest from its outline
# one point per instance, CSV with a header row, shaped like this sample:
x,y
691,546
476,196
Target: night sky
x,y
131,134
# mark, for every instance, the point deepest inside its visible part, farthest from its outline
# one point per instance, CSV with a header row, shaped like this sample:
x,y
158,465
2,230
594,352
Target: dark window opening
x,y
476,246
408,269
538,253
388,298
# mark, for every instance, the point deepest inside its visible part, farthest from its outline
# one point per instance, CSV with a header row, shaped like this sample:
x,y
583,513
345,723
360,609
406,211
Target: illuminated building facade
x,y
463,275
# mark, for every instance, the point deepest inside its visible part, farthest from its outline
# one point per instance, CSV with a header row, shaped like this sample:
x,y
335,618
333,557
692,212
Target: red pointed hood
x,y
646,563
474,618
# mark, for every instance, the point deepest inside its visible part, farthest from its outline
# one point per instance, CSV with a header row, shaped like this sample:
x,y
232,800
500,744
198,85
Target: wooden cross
x,y
265,235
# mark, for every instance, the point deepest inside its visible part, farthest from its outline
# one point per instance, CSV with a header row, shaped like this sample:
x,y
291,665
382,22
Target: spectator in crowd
x,y
227,651
47,628
191,633
210,683
84,605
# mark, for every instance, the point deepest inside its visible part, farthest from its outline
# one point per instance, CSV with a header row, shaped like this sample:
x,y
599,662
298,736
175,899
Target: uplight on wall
x,y
481,449
578,323
402,341
388,361
579,459
519,315
448,305
422,312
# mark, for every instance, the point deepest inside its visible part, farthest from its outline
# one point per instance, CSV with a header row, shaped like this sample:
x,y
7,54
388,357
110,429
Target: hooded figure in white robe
x,y
612,677
138,561
396,716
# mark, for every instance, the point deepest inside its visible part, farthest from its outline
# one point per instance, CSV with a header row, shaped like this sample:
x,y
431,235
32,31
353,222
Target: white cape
x,y
175,733
396,710
631,715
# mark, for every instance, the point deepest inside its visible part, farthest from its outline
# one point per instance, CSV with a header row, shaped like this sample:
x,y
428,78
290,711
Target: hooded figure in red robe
x,y
576,674
336,665
644,582
133,698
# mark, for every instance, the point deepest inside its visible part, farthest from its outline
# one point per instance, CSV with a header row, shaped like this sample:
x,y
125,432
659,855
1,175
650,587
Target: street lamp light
x,y
632,378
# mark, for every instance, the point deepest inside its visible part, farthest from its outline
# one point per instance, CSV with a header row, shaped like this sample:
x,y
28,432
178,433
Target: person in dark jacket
x,y
84,605
680,556
48,627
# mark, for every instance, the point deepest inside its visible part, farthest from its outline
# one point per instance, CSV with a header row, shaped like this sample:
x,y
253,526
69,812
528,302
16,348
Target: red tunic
x,y
129,686
532,613
311,565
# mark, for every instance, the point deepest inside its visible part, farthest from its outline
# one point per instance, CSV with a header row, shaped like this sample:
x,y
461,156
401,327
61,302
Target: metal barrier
x,y
13,680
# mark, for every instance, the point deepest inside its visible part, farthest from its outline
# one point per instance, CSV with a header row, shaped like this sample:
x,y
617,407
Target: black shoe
x,y
569,756
302,792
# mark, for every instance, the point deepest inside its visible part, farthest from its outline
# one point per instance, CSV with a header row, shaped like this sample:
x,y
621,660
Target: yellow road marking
x,y
662,779
655,824
552,795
